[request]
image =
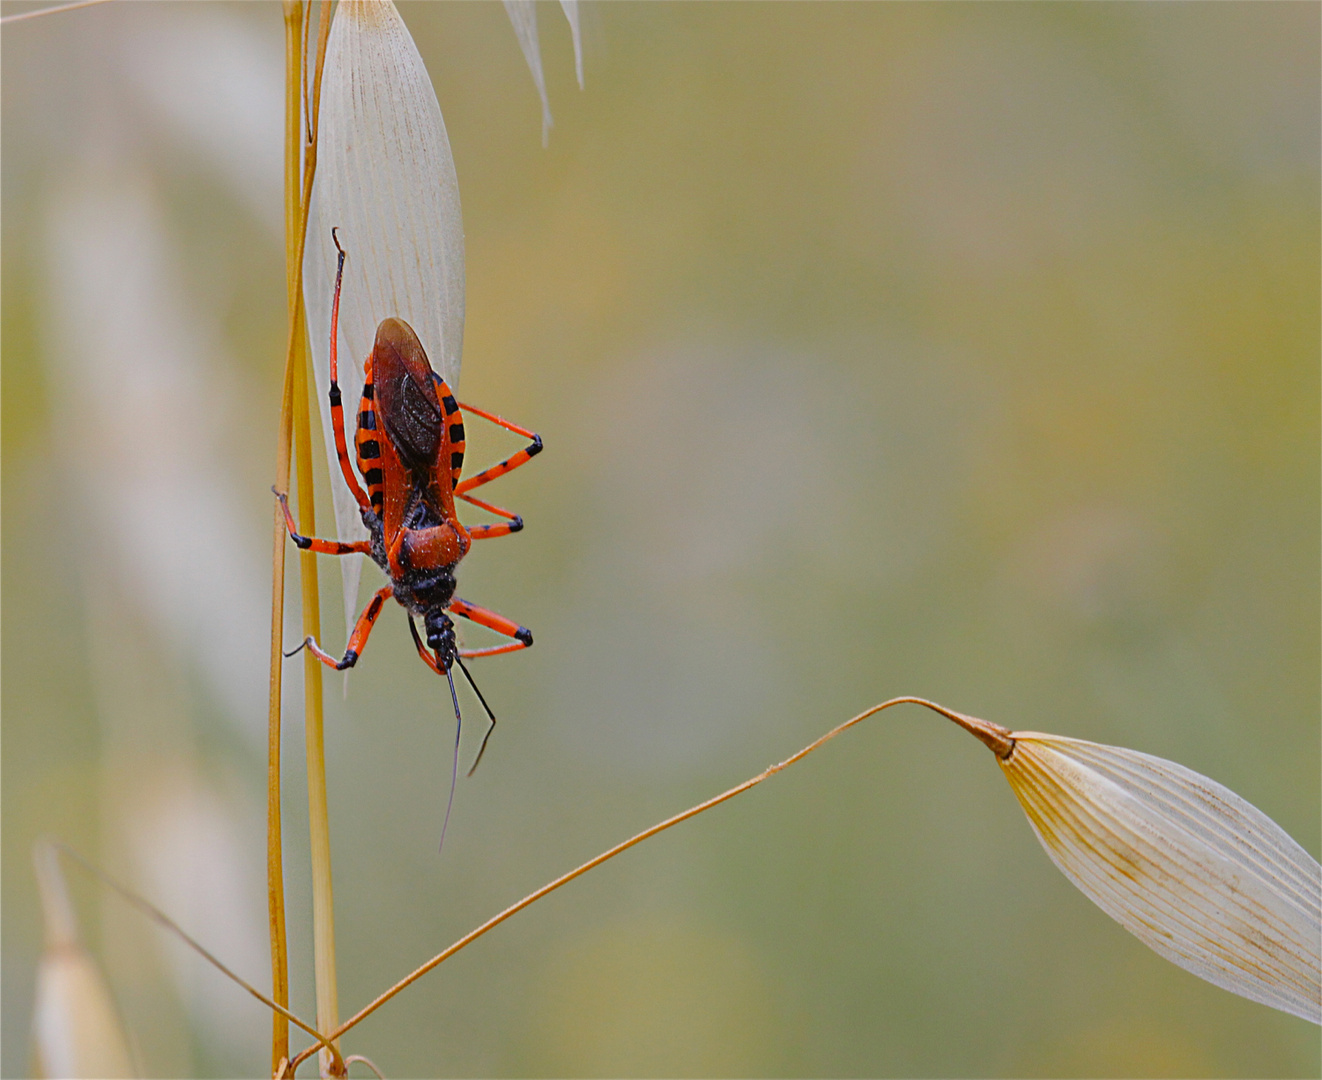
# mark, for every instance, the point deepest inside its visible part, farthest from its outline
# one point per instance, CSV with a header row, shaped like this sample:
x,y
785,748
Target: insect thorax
x,y
421,590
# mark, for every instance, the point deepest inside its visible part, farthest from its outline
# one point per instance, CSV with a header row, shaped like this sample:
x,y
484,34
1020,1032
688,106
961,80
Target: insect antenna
x,y
454,765
458,730
490,715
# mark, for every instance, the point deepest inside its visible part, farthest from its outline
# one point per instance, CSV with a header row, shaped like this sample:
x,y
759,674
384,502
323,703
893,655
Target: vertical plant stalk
x,y
294,419
323,917
323,895
275,878
323,913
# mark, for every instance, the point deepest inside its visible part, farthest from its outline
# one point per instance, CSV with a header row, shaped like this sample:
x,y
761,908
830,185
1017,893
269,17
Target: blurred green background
x,y
962,351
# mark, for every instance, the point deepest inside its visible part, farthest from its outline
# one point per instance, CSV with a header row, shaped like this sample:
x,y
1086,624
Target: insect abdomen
x,y
454,428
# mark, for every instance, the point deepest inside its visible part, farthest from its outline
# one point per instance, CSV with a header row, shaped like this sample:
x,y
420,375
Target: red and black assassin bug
x,y
410,450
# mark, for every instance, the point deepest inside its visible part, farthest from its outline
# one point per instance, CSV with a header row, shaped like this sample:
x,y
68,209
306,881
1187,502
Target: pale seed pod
x,y
523,17
570,8
76,1030
1199,875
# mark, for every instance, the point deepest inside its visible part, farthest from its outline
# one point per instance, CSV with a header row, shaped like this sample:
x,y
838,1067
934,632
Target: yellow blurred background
x,y
962,351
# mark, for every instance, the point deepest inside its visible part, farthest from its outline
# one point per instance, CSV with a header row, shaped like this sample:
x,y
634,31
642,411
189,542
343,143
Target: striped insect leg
x,y
427,657
501,625
512,524
311,543
336,398
510,463
358,639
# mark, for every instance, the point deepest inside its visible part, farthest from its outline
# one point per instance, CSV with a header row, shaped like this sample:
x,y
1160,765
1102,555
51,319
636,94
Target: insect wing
x,y
408,407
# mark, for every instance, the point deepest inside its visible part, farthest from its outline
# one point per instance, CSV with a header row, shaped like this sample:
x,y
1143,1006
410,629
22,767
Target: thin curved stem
x,y
996,737
74,5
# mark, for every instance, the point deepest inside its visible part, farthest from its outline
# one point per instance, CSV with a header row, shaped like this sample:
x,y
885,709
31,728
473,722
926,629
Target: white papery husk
x,y
523,17
1200,876
570,8
386,180
76,1029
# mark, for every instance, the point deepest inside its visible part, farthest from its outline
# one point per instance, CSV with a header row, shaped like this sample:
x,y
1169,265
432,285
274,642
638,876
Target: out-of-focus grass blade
x,y
386,180
1196,873
523,15
571,13
74,1023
